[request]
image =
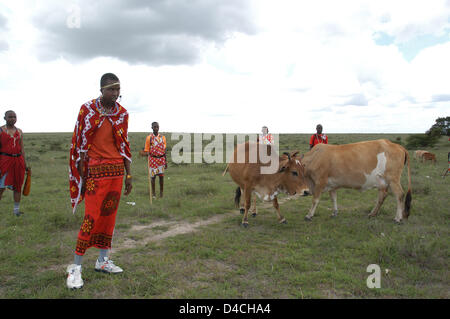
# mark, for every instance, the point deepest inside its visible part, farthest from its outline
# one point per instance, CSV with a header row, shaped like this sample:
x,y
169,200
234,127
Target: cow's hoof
x,y
334,215
253,214
242,211
308,219
398,222
284,221
245,225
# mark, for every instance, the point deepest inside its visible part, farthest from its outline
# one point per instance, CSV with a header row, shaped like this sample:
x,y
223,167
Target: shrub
x,y
421,140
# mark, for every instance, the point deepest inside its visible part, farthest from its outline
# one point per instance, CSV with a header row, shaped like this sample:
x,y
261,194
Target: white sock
x,y
16,208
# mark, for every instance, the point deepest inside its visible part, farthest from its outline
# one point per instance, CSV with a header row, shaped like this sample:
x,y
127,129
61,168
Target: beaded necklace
x,y
106,112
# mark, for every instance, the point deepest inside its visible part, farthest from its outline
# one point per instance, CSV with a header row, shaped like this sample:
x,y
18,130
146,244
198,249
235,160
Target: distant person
x,y
155,149
99,157
12,159
265,137
318,138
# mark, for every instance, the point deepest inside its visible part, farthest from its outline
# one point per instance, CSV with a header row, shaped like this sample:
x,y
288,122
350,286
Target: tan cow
x,y
418,154
249,175
427,156
371,164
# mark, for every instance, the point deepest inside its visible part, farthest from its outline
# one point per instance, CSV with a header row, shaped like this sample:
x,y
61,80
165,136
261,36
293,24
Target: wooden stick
x,y
149,180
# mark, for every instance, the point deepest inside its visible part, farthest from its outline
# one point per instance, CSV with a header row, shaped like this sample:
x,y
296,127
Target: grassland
x,y
190,244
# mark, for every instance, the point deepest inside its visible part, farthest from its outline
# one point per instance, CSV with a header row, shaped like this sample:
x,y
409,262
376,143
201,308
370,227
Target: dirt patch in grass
x,y
147,233
156,231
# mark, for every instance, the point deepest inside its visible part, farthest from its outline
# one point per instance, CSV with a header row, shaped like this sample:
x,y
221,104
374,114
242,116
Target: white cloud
x,y
284,64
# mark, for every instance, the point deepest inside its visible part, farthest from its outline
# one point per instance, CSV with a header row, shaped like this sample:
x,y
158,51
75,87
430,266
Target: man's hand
x,y
128,186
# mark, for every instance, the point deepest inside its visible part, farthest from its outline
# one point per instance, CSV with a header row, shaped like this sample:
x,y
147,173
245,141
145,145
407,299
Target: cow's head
x,y
293,181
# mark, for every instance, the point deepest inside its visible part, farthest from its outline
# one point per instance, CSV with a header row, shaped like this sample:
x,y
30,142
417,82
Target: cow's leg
x,y
281,219
333,196
247,203
315,202
382,194
241,209
399,195
254,210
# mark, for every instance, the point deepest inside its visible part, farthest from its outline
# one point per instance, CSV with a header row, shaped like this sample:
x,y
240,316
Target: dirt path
x,y
174,229
153,232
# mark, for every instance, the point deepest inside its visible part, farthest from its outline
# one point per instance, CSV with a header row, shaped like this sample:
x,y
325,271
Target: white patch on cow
x,y
267,197
298,162
375,178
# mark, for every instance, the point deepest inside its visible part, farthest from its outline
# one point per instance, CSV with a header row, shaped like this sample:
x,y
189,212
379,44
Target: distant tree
x,y
441,127
430,138
417,141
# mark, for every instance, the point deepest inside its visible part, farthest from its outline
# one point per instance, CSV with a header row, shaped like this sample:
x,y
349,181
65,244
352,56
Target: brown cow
x,y
248,173
427,156
371,164
418,154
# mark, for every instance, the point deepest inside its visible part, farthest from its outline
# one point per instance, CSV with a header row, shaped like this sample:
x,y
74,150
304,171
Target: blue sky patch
x,y
411,48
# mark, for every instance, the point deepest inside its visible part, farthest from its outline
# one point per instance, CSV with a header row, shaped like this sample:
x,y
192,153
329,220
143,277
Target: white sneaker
x,y
107,266
74,277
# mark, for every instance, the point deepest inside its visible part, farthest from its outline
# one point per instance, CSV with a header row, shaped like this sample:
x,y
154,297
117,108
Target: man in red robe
x,y
318,138
12,159
99,157
155,148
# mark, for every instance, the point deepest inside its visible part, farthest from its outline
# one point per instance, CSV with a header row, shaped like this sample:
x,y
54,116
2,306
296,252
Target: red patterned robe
x,y
12,162
156,148
104,175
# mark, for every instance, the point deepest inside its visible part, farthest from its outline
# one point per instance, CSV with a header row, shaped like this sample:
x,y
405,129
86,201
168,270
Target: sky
x,y
230,66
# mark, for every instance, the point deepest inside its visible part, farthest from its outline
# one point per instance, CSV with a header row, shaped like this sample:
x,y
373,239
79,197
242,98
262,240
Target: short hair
x,y
108,77
155,123
9,112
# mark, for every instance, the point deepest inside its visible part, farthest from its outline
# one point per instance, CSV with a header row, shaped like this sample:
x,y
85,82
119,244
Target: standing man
x,y
318,138
99,157
155,149
265,138
12,159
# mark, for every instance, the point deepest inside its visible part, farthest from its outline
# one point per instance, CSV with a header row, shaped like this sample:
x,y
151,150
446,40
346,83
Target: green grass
x,y
325,258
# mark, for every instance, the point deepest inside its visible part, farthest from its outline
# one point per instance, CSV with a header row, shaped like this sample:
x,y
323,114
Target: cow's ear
x,y
288,155
294,153
282,169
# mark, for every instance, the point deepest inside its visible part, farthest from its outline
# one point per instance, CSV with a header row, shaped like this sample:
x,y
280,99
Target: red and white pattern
x,y
91,117
266,139
156,148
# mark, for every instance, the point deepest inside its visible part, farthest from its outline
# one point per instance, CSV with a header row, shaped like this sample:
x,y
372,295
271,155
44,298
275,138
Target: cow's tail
x,y
225,171
408,198
237,197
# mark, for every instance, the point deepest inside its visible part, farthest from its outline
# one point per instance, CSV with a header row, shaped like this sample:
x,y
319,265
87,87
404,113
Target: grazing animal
x,y
418,154
249,175
427,156
371,164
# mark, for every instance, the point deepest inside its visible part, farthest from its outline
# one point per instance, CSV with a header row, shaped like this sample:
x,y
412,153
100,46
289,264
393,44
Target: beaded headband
x,y
109,85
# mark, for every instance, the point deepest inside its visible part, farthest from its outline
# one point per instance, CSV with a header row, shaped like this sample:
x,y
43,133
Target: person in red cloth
x,y
318,138
12,159
99,157
155,149
265,137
